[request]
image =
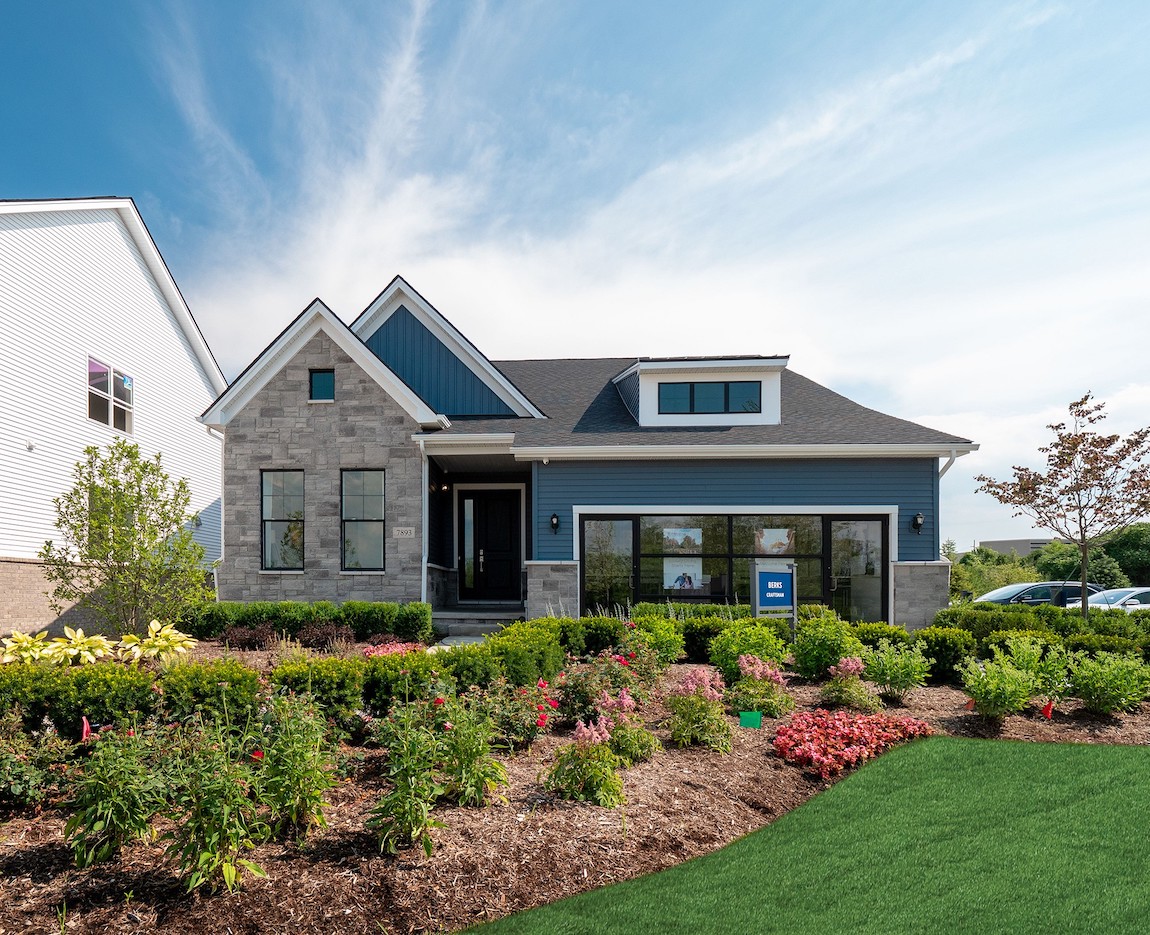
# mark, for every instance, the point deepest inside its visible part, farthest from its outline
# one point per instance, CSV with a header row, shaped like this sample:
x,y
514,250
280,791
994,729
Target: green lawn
x,y
941,836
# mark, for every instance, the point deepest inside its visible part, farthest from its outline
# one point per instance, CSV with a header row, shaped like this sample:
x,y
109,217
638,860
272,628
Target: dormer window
x,y
741,396
703,391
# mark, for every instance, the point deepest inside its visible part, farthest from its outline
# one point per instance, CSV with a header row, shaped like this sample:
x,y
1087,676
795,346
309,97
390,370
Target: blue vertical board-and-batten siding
x,y
911,484
425,364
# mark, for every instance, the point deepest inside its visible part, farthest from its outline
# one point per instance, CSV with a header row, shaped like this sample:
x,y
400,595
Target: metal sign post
x,y
773,594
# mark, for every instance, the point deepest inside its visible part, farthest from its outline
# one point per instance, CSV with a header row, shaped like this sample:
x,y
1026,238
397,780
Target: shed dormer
x,y
690,391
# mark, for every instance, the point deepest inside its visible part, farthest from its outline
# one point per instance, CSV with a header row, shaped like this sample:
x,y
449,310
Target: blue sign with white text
x,y
776,589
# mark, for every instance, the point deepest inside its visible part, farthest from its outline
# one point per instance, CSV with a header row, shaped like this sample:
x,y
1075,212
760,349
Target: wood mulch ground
x,y
487,862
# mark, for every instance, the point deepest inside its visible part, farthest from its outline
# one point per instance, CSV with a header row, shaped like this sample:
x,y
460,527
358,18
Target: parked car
x,y
1032,593
1127,599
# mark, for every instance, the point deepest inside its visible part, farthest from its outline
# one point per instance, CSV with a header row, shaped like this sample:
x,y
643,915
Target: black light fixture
x,y
918,522
554,522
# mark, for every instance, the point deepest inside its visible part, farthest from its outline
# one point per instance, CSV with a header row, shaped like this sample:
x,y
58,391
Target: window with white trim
x,y
111,395
283,524
362,516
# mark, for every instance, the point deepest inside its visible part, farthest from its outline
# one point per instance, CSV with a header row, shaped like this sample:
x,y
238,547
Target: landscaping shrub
x,y
571,635
600,633
368,618
413,622
469,664
761,687
1109,682
584,683
107,693
260,636
633,743
31,765
118,792
821,642
980,620
1092,644
528,650
696,707
209,619
896,668
871,634
665,638
697,635
999,638
745,638
1117,623
846,689
997,687
587,770
325,635
403,816
470,773
32,687
399,677
518,713
335,684
827,743
224,690
948,647
685,611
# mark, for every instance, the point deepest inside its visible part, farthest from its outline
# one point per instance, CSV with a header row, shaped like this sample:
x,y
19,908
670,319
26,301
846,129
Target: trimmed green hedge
x,y
948,647
410,621
683,611
335,683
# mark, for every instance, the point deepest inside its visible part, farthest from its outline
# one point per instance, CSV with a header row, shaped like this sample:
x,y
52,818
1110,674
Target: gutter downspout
x,y
946,467
425,520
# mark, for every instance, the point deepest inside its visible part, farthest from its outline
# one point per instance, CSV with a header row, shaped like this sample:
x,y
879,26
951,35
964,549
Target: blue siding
x,y
440,378
629,390
909,484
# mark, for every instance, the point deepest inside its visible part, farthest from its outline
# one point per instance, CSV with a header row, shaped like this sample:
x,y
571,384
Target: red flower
x,y
257,754
541,684
539,707
438,701
630,655
553,702
541,721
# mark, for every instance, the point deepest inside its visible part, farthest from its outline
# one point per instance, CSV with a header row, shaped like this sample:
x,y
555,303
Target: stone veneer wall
x,y
552,589
921,589
280,429
442,588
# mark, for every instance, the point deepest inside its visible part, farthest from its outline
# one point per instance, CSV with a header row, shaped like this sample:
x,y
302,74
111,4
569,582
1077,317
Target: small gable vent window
x,y
111,394
322,386
710,397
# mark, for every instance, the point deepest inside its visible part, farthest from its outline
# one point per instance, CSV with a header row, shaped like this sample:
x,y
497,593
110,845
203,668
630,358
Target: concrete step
x,y
474,621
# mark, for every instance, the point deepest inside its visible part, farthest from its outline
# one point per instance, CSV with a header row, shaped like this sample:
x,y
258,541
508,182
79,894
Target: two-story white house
x,y
96,343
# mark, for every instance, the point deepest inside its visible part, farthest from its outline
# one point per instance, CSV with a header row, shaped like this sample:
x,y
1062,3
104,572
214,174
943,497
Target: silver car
x,y
1127,599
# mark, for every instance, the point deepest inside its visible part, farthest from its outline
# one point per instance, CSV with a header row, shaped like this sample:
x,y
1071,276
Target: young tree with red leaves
x,y
1094,484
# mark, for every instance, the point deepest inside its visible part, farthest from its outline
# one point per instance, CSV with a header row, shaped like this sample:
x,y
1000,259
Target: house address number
x,y
403,532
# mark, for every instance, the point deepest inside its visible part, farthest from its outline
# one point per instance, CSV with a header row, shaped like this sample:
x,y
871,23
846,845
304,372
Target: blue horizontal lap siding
x,y
425,364
909,484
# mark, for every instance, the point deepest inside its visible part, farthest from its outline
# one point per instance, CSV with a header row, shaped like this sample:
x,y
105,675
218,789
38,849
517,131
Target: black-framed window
x,y
707,398
282,500
321,385
362,502
111,396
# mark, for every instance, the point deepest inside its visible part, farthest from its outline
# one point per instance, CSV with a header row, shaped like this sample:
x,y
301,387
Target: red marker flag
x,y
1048,710
970,705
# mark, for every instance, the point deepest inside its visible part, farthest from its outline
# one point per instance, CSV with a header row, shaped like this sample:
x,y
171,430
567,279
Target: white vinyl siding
x,y
72,286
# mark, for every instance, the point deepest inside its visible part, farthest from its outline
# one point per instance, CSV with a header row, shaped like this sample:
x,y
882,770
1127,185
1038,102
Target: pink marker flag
x,y
86,729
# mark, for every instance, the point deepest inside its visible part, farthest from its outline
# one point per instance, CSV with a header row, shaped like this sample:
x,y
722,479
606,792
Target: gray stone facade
x,y
921,590
442,586
552,589
280,429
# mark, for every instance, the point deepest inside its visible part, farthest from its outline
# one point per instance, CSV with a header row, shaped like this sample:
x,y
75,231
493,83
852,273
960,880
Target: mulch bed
x,y
488,862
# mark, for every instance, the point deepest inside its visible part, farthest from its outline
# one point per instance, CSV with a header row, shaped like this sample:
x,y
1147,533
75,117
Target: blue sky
x,y
941,210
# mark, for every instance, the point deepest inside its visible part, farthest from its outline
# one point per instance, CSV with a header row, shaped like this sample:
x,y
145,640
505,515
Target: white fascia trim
x,y
399,293
126,209
316,318
721,452
466,444
745,364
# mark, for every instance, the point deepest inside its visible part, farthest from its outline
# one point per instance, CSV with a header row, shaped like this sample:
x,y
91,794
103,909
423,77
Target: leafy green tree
x,y
983,569
1093,485
1131,549
1060,561
126,551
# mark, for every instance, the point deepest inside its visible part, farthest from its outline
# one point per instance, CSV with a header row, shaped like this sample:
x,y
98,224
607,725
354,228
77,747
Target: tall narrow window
x,y
282,520
362,516
110,396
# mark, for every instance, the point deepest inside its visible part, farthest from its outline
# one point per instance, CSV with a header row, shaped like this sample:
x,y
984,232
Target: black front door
x,y
490,550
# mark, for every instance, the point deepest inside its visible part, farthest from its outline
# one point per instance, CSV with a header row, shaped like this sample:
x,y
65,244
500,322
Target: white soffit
x,y
126,209
721,452
399,292
311,321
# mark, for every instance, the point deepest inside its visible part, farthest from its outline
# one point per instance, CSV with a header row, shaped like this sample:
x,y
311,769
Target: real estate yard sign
x,y
774,592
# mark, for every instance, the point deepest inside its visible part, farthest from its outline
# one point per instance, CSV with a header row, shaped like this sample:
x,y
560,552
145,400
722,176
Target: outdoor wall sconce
x,y
554,523
918,522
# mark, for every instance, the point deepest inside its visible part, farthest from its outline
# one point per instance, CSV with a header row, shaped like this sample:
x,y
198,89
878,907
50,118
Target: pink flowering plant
x,y
588,770
696,706
826,743
586,681
761,687
392,649
846,688
629,740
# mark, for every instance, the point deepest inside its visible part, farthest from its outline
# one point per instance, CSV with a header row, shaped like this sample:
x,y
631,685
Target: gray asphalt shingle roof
x,y
584,408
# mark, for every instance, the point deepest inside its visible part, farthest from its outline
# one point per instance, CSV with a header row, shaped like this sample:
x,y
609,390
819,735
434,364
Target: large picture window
x,y
111,395
362,512
283,526
710,398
